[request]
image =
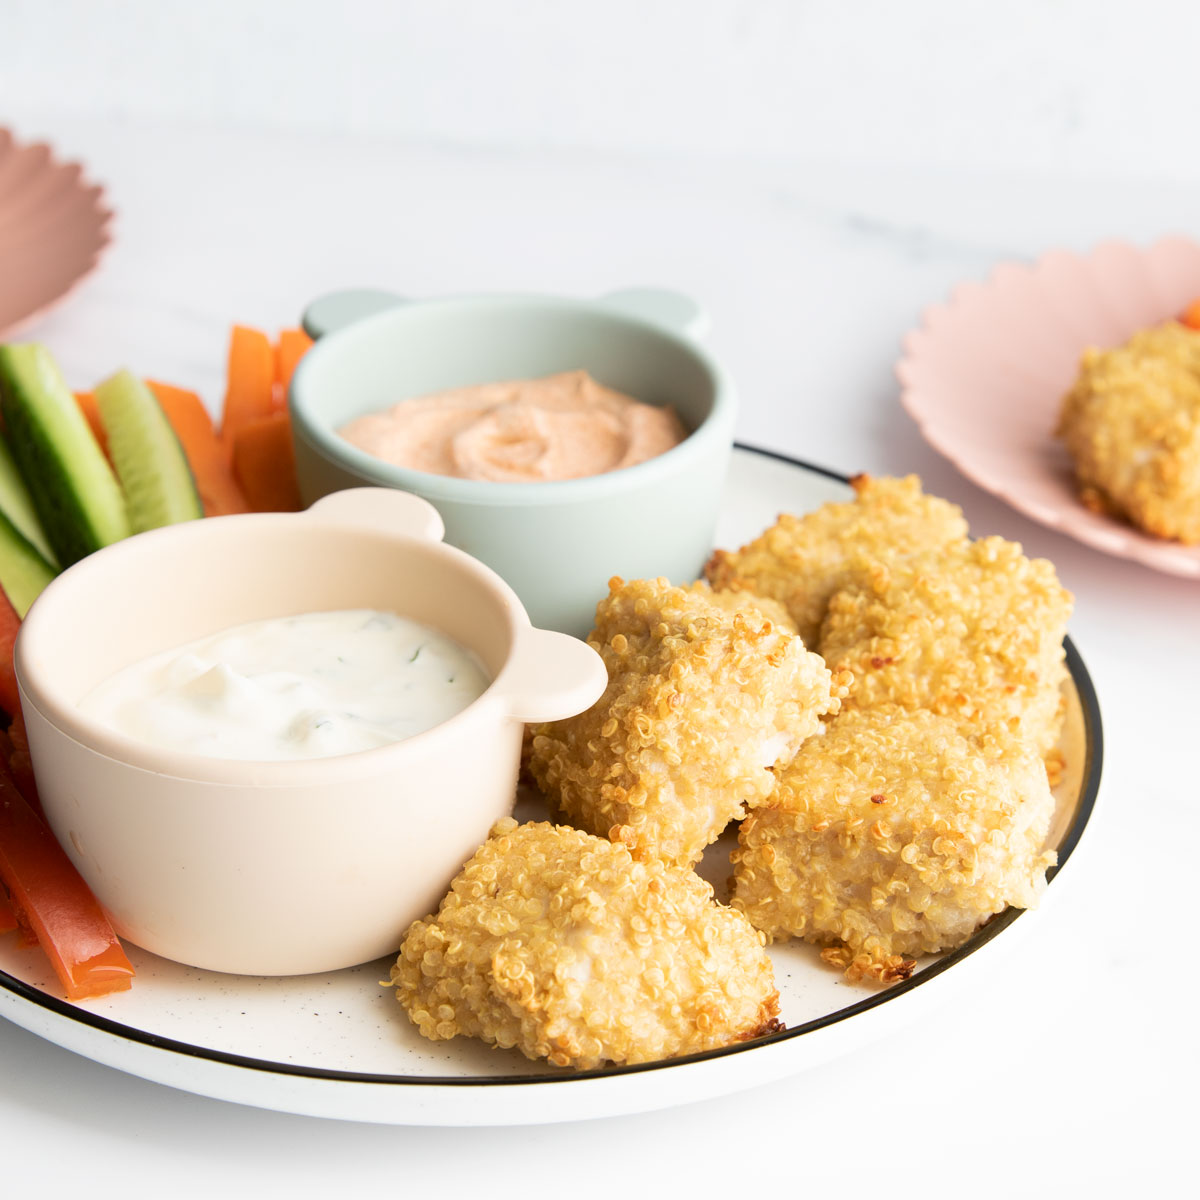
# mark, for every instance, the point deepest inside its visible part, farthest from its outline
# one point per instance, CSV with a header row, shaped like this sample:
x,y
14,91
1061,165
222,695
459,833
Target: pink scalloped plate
x,y
985,372
53,230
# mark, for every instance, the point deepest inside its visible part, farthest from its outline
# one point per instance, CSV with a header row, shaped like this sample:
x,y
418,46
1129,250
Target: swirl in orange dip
x,y
565,426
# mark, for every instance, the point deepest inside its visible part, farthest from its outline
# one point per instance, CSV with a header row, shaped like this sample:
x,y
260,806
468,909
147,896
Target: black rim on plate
x,y
1093,758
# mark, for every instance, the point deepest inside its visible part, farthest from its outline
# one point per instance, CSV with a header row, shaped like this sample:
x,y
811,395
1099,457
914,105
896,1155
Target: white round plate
x,y
338,1045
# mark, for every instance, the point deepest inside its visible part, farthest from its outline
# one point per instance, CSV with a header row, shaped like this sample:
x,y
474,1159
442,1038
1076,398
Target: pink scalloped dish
x,y
53,230
984,376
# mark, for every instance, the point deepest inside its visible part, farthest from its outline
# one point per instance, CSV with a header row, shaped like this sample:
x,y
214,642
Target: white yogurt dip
x,y
308,686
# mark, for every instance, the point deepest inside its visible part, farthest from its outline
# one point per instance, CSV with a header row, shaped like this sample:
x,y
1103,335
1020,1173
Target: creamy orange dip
x,y
565,426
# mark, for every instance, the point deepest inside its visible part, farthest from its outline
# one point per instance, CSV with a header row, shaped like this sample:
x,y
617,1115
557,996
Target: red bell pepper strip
x,y
10,625
15,745
49,894
20,762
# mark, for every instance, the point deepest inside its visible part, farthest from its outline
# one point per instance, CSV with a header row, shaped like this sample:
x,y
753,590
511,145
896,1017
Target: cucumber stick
x,y
23,571
150,462
17,504
74,491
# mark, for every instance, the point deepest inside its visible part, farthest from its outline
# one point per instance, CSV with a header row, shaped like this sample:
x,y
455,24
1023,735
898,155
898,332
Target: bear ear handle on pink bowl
x,y
672,311
550,676
383,509
547,675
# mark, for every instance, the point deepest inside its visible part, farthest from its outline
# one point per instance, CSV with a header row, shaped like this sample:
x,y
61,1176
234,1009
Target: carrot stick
x,y
208,459
249,389
10,625
91,410
292,346
49,894
264,464
1191,315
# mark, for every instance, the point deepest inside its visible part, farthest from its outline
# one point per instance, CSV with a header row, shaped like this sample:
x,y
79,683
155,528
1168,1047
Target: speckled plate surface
x,y
338,1045
54,228
985,373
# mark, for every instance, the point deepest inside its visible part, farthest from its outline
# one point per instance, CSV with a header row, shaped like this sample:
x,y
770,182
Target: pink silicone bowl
x,y
281,868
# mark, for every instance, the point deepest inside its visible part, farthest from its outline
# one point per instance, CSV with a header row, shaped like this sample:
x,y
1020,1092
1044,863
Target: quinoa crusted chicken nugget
x,y
559,943
701,703
802,560
1132,425
894,835
974,632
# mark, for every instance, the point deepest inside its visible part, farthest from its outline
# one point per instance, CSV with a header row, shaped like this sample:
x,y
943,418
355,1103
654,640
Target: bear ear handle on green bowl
x,y
670,310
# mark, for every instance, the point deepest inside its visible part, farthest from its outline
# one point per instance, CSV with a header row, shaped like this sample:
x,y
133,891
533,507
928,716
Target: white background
x,y
816,174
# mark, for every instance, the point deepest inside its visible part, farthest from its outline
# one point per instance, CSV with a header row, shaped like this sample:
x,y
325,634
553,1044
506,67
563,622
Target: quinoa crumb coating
x,y
742,601
802,560
974,632
1131,422
894,835
701,703
560,944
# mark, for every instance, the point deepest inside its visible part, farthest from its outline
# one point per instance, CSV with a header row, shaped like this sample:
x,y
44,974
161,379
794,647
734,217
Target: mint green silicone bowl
x,y
556,544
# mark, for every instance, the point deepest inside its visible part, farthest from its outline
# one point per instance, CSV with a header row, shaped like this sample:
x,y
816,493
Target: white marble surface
x,y
1069,85
1076,1061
